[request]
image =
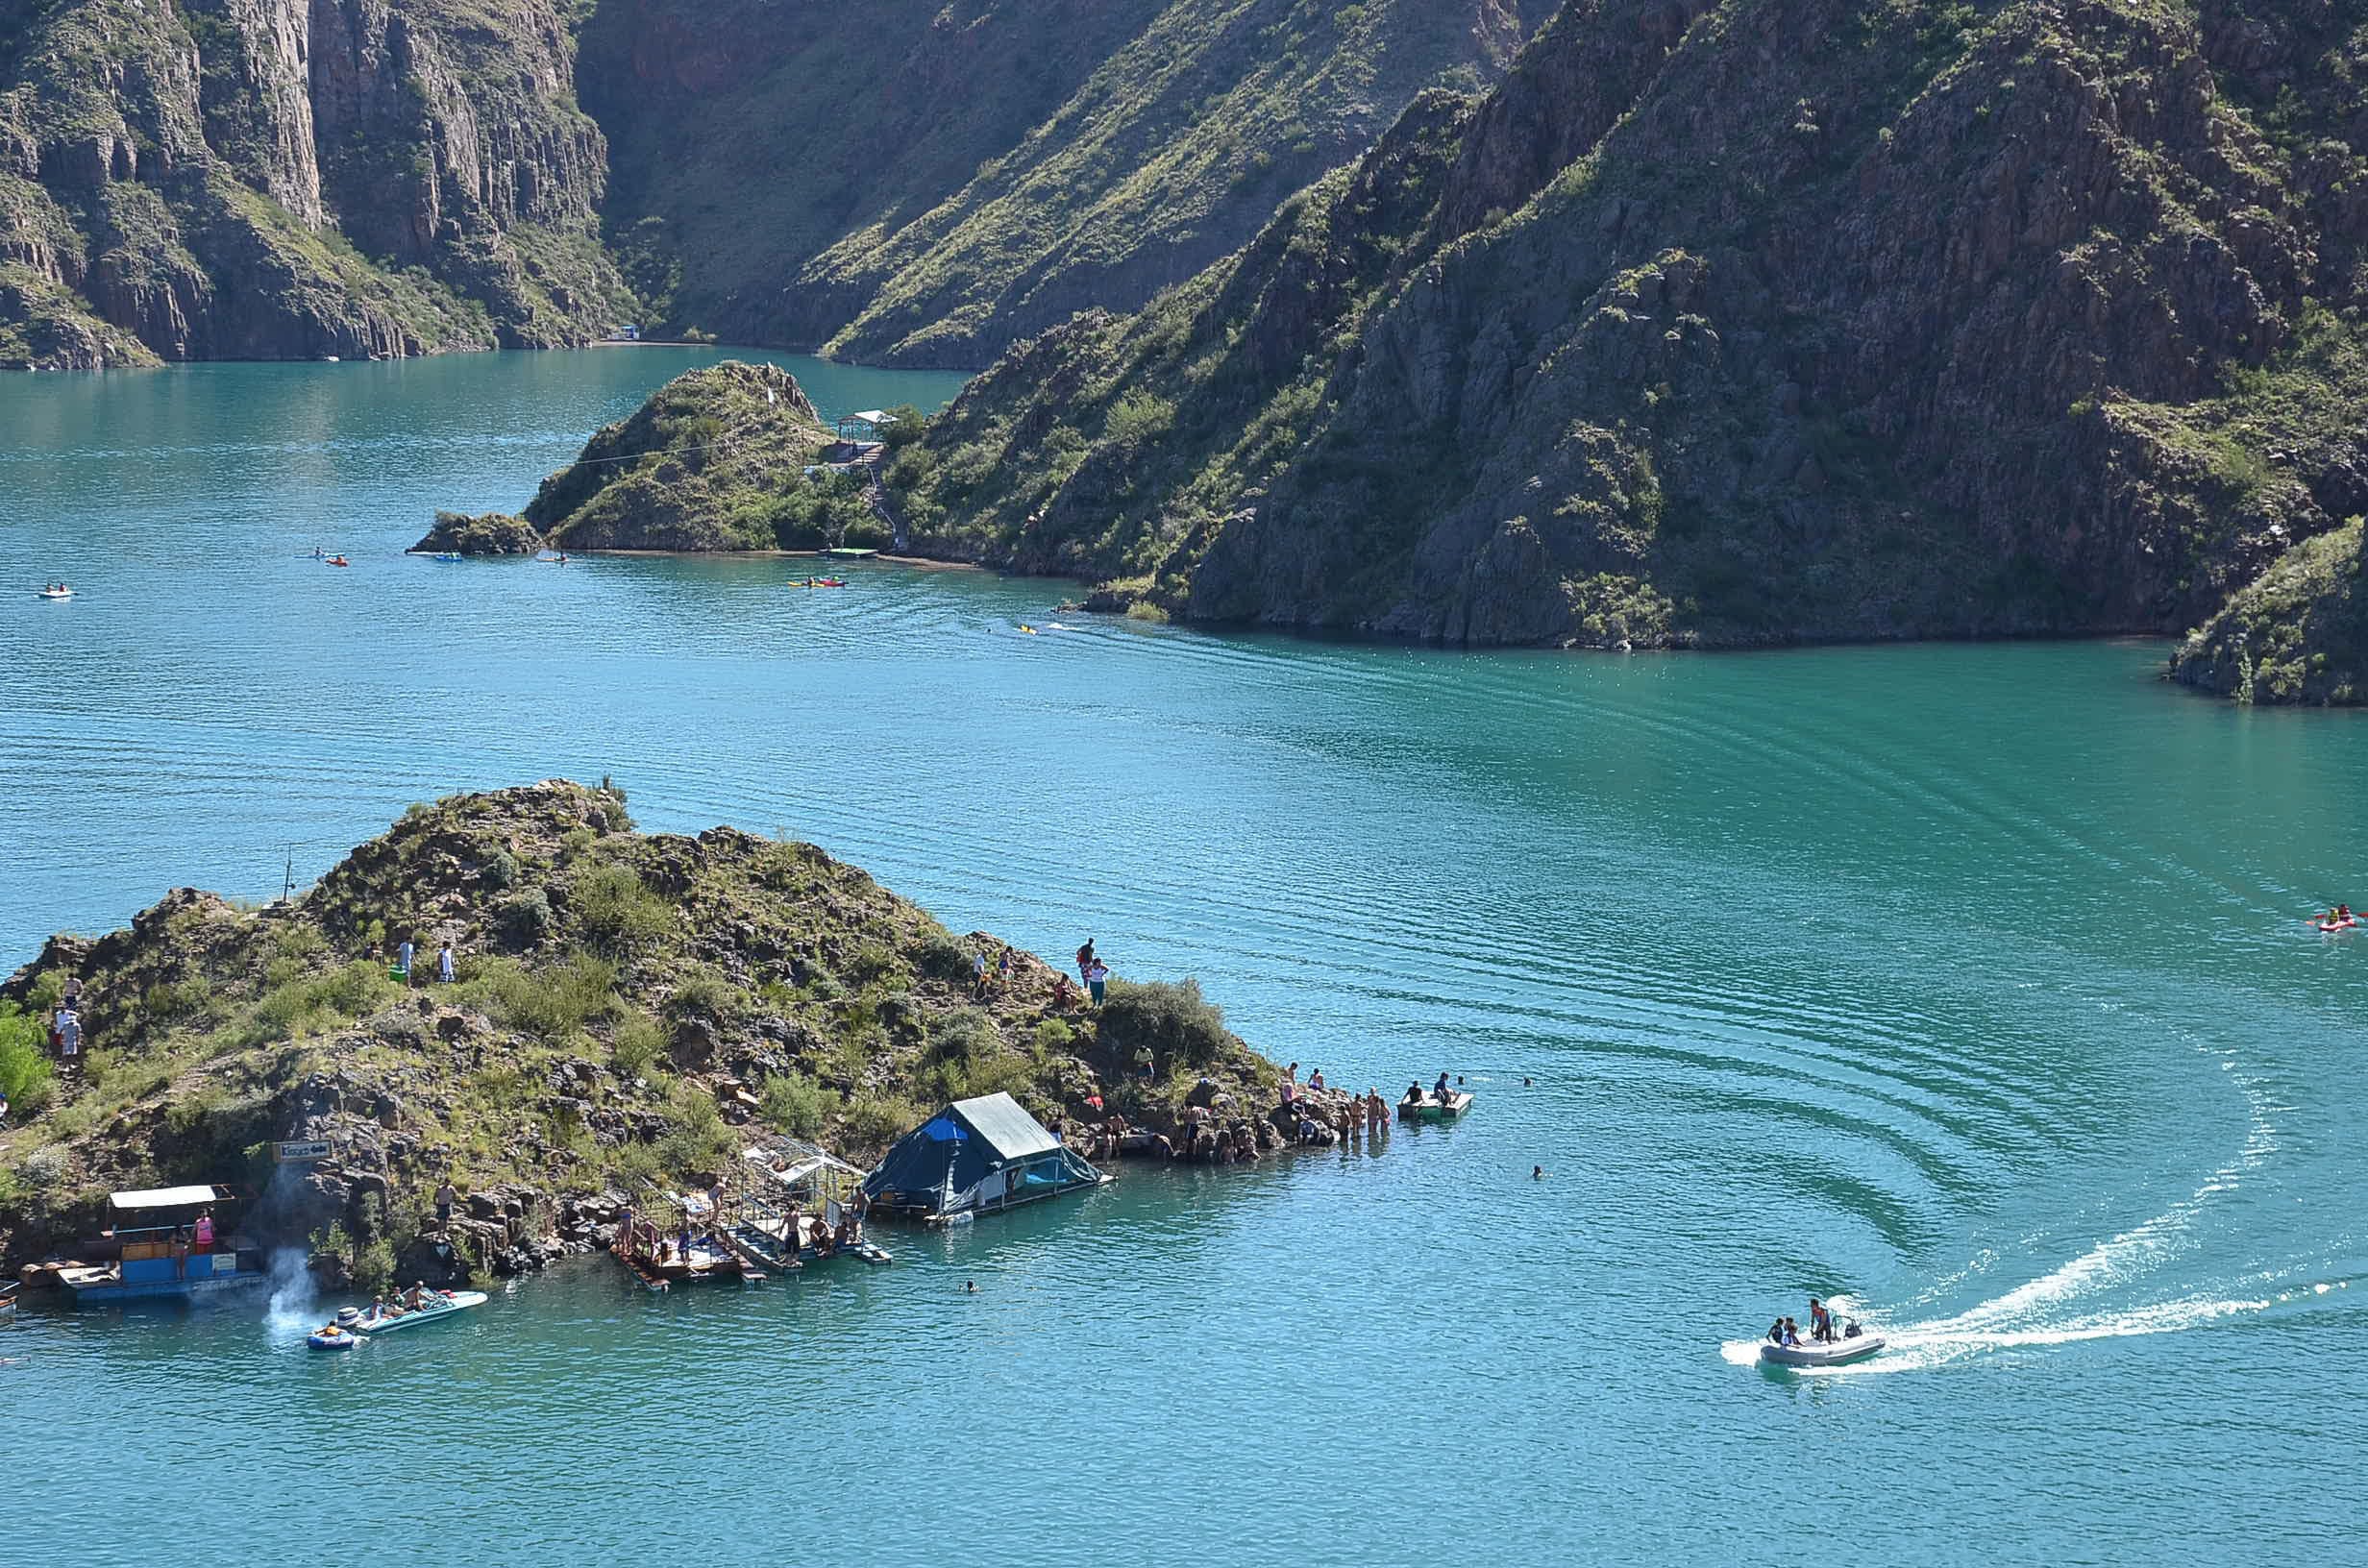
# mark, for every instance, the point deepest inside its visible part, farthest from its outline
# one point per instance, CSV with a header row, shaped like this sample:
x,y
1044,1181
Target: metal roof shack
x,y
977,1155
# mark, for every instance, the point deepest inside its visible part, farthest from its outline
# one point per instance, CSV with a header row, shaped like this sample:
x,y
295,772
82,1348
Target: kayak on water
x,y
340,560
1030,630
821,582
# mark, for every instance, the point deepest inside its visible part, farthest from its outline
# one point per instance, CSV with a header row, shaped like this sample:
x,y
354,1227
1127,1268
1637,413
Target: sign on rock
x,y
285,1152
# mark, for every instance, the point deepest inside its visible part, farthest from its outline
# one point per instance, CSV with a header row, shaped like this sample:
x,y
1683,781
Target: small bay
x,y
1968,982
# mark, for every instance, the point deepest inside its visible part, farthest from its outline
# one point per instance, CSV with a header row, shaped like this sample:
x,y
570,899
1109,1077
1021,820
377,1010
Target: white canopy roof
x,y
162,1197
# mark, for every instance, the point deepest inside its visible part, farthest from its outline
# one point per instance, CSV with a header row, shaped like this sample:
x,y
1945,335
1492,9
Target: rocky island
x,y
625,1009
716,459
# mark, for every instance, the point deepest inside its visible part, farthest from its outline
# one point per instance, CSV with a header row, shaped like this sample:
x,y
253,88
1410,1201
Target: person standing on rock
x,y
444,1196
1085,960
1097,977
403,960
69,1032
444,963
978,976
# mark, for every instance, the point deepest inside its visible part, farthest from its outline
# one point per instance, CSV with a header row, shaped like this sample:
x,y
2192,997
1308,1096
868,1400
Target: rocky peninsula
x,y
627,1009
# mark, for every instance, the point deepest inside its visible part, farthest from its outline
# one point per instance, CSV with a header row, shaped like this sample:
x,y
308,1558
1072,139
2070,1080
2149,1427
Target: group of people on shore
x,y
1367,1114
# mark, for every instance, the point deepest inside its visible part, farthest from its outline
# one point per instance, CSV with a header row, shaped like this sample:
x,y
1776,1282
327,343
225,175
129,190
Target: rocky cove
x,y
626,1011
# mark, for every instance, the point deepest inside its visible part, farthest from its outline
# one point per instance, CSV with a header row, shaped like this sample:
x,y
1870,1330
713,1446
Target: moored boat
x,y
1433,1108
435,1305
168,1245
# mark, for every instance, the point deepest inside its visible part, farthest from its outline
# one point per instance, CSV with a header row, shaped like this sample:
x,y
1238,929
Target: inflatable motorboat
x,y
1854,1345
61,591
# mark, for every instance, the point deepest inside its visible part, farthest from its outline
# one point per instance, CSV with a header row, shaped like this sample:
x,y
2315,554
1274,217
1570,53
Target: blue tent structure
x,y
975,1157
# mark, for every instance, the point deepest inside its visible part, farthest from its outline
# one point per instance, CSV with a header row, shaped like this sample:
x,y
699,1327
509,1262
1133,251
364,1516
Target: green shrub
x,y
1174,1021
1054,1035
634,1050
167,1004
698,1141
874,960
555,1001
876,1120
26,1076
706,995
373,1266
524,919
615,911
794,1103
965,1033
500,870
44,1170
941,955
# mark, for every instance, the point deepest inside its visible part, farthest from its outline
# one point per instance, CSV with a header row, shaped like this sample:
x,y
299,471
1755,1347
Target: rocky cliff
x,y
294,179
940,180
629,1010
2297,634
1716,325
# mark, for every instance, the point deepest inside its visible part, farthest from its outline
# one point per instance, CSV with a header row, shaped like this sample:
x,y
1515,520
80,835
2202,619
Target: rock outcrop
x,y
714,460
629,1013
488,533
2299,633
1727,326
294,179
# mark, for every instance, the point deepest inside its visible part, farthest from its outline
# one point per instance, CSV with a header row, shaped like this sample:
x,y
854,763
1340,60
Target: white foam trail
x,y
2028,1315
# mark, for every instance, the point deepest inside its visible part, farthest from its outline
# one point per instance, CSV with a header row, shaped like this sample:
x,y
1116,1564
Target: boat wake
x,y
2046,1311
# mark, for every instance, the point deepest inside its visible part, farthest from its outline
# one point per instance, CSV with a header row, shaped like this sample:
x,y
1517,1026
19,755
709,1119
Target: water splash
x,y
294,1299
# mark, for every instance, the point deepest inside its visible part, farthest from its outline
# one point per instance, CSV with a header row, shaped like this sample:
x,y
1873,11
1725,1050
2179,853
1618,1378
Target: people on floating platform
x,y
1414,1095
203,1235
1439,1090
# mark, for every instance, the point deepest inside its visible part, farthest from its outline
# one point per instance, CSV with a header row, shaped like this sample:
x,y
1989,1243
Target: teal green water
x,y
1970,983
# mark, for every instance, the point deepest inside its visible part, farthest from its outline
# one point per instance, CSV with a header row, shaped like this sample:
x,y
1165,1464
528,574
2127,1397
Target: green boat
x,y
1430,1109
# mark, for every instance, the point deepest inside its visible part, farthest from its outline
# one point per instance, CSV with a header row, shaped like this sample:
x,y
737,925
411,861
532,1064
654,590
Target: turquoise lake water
x,y
1968,982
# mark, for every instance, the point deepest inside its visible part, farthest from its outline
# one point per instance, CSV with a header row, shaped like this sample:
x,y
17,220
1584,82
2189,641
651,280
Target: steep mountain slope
x,y
923,185
273,179
1737,323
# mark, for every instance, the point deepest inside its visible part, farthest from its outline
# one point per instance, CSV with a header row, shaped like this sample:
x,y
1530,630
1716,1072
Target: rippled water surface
x,y
1968,982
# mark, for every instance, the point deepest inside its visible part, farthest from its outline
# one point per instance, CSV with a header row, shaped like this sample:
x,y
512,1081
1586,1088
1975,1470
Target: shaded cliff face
x,y
1778,319
290,179
942,180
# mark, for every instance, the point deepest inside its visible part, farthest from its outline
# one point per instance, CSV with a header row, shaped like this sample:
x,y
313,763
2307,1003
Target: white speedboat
x,y
1854,1345
437,1305
61,591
